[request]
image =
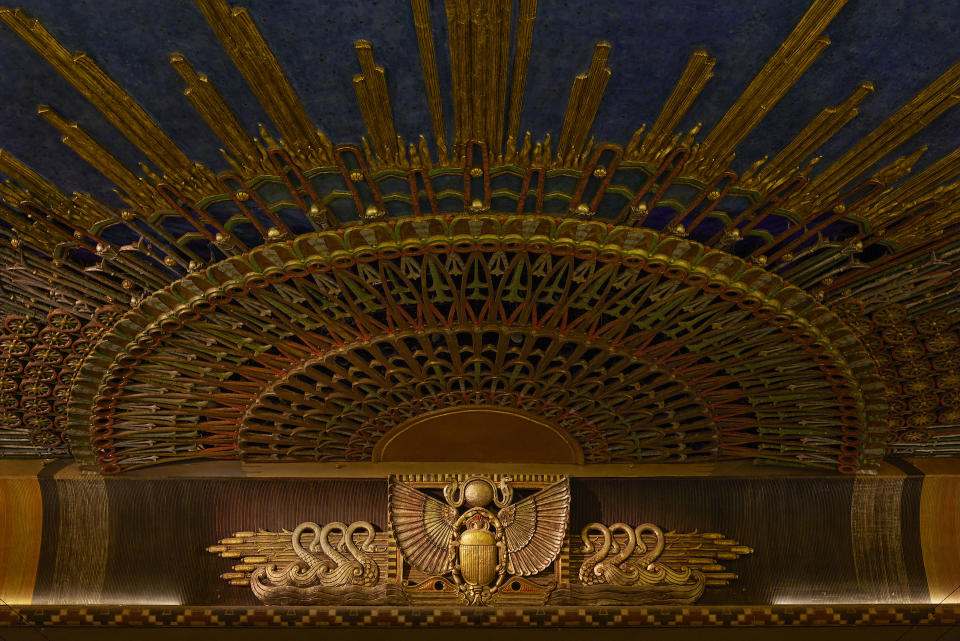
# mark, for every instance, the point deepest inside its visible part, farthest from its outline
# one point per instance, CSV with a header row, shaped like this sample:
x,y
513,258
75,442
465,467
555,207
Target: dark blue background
x,y
901,46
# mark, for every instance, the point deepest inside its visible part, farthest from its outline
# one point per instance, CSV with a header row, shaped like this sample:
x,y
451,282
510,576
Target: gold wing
x,y
534,528
423,527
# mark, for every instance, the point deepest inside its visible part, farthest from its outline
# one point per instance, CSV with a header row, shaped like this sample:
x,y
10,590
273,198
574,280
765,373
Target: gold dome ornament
x,y
478,493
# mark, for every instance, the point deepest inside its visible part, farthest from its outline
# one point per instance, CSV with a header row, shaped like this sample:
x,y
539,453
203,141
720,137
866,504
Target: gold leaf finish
x,y
807,253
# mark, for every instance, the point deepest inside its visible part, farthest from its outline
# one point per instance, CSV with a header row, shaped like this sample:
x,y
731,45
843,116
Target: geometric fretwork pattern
x,y
690,350
917,358
284,219
38,363
618,407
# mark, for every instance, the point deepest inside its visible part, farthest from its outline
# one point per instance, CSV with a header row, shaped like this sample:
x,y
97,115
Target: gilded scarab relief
x,y
478,548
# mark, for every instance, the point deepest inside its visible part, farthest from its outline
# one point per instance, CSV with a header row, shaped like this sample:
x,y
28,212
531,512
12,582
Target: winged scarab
x,y
477,547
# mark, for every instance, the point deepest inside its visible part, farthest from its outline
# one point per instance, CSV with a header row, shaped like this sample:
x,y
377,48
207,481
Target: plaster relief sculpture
x,y
478,540
477,548
335,564
624,565
620,571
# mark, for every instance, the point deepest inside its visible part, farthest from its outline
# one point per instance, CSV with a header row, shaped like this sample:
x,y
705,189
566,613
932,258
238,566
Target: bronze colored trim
x,y
382,448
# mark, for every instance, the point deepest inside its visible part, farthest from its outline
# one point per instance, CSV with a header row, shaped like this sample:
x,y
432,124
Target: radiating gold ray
x,y
582,107
240,37
457,30
781,71
479,51
479,70
501,72
827,123
694,78
521,58
217,114
573,106
34,184
899,168
91,81
928,185
431,79
924,184
139,193
374,101
922,109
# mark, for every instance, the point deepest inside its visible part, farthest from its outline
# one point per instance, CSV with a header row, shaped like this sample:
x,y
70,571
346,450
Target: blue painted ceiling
x,y
900,46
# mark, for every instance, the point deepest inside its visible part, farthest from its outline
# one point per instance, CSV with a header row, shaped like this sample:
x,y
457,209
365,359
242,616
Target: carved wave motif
x,y
630,563
343,573
606,594
630,572
383,594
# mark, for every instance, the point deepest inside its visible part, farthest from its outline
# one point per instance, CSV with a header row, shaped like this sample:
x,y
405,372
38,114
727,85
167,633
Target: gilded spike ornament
x,y
638,299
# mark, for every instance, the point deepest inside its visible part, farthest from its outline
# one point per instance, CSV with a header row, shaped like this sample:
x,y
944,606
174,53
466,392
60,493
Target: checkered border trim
x,y
569,617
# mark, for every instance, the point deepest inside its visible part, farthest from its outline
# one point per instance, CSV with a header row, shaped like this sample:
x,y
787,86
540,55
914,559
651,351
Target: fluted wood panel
x,y
940,535
21,522
816,539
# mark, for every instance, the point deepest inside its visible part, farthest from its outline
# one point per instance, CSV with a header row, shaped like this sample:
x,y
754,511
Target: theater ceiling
x,y
555,239
639,234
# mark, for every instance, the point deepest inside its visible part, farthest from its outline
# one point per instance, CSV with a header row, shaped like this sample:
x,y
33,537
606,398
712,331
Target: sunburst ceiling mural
x,y
646,293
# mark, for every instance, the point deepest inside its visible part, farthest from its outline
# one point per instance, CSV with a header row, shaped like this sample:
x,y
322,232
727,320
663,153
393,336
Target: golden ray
x,y
112,101
139,193
457,30
926,187
921,185
218,115
33,183
374,101
827,123
240,37
479,49
923,108
521,58
781,71
694,78
582,107
431,79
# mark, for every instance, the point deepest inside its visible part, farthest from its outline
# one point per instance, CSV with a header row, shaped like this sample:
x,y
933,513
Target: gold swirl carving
x,y
333,559
630,563
620,555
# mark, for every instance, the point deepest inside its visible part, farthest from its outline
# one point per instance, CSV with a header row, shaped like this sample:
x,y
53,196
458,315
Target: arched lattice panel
x,y
643,347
